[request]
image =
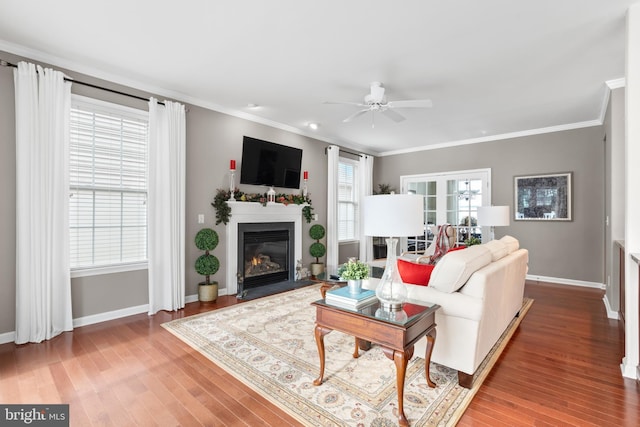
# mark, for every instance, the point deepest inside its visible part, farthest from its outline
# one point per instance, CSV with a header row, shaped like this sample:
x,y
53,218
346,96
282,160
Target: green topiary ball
x,y
317,250
316,232
206,265
206,239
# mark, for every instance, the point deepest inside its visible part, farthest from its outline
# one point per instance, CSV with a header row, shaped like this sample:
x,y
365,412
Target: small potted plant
x,y
317,249
354,272
207,264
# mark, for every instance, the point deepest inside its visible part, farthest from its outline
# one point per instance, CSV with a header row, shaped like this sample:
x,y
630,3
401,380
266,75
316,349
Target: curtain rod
x,y
348,152
106,89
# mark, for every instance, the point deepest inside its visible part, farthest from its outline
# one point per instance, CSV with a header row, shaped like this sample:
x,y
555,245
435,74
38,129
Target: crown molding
x,y
519,134
616,83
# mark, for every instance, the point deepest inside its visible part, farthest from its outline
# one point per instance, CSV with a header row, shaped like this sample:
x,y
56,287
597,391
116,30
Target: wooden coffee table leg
x,y
431,339
319,333
401,360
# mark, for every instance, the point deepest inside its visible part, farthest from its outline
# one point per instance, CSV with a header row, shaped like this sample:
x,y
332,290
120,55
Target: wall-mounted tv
x,y
268,163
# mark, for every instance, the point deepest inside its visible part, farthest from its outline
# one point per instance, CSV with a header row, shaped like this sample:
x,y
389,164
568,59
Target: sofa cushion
x,y
498,249
511,242
455,268
414,273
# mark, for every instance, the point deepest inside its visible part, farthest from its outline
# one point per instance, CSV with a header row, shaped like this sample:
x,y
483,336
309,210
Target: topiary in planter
x,y
207,264
317,249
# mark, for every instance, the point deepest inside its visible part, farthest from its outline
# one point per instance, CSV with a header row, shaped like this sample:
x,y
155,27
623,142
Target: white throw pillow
x,y
454,269
511,242
498,249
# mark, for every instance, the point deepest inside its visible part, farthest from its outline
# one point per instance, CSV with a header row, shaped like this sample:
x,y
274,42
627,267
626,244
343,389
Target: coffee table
x,y
395,337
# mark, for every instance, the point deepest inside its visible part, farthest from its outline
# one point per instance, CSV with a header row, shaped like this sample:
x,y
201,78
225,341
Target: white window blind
x,y
347,200
108,183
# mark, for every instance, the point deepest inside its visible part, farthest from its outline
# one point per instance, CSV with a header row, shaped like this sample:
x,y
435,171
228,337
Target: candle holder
x,y
305,191
232,173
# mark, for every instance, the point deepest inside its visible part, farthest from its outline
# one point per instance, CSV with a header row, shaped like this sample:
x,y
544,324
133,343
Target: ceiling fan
x,y
375,101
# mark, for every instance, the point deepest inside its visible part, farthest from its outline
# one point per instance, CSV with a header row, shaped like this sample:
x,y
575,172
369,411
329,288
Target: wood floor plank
x,y
561,367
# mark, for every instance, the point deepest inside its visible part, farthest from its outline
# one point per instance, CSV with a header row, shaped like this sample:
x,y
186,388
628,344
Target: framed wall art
x,y
543,197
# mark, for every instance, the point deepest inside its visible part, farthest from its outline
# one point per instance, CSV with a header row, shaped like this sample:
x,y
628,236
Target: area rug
x,y
269,344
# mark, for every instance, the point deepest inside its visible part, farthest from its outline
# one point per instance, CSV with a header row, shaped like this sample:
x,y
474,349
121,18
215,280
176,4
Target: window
x,y
108,183
348,212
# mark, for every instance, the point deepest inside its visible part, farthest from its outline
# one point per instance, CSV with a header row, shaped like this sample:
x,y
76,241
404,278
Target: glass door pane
x,y
450,198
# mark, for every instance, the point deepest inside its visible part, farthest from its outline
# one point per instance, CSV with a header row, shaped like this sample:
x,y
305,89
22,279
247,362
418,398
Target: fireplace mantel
x,y
252,212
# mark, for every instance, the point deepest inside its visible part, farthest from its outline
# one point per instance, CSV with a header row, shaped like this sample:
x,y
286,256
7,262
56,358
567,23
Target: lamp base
x,y
391,291
390,306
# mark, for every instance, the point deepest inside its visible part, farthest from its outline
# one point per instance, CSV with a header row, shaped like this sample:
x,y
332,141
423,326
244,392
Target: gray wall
x,y
565,250
212,140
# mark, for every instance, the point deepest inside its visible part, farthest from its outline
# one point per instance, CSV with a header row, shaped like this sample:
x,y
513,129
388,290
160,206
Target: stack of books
x,y
342,298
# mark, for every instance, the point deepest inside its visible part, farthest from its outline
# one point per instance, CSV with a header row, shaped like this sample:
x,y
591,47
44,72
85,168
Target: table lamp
x,y
393,216
493,216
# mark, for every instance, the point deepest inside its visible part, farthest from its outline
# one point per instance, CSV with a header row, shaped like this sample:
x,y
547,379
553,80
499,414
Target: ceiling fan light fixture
x,y
377,93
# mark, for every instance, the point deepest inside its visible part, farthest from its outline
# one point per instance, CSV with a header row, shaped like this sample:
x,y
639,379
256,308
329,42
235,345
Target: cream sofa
x,y
480,290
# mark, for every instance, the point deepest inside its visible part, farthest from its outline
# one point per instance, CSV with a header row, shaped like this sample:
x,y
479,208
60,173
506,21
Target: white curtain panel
x,y
166,206
366,189
43,280
333,153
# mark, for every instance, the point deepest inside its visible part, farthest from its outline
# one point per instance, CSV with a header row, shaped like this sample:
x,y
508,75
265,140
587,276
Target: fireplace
x,y
255,213
265,253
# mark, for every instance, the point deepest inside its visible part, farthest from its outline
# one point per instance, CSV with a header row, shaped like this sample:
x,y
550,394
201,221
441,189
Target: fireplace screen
x,y
265,254
264,258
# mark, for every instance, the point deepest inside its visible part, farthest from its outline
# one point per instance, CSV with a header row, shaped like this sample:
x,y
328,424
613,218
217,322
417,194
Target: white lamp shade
x,y
493,215
393,215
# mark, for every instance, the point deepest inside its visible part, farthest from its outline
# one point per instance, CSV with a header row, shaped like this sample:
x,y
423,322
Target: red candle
x,y
232,165
306,174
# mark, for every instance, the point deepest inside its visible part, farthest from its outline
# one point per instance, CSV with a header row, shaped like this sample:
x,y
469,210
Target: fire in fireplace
x,y
265,254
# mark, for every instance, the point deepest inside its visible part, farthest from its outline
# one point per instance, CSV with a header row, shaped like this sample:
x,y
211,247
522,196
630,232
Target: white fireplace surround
x,y
251,212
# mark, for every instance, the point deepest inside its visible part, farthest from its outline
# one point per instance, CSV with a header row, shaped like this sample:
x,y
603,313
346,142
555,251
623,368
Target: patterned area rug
x,y
269,345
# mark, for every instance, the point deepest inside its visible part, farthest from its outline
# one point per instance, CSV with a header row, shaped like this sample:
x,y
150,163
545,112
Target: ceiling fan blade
x,y
417,103
353,116
357,104
396,117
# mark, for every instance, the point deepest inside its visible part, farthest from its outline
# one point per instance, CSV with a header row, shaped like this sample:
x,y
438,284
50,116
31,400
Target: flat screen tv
x,y
267,163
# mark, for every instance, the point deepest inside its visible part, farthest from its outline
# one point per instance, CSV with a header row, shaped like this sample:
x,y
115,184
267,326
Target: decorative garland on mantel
x,y
223,210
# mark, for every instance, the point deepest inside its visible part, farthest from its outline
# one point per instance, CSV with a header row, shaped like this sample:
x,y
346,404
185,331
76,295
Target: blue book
x,y
342,294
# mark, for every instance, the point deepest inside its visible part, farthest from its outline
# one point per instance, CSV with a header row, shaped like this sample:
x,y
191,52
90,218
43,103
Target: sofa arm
x,y
452,304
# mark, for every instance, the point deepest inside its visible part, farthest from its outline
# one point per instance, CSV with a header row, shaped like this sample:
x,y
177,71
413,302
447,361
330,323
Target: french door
x,y
450,198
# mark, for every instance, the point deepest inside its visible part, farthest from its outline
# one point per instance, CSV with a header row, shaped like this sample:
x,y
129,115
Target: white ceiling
x,y
492,68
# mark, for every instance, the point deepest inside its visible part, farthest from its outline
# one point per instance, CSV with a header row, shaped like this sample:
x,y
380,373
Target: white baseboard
x,y
569,282
90,320
109,315
7,337
628,370
611,314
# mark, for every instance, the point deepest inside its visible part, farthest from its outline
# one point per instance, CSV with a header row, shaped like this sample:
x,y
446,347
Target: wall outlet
x,y
200,218
315,217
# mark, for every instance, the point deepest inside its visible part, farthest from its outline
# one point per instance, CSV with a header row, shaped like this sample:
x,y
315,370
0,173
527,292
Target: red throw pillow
x,y
414,273
457,248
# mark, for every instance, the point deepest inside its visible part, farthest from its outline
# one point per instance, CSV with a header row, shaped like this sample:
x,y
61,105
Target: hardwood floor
x,y
560,368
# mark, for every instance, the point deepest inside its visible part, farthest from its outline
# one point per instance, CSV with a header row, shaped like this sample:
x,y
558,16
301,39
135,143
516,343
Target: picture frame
x,y
543,197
